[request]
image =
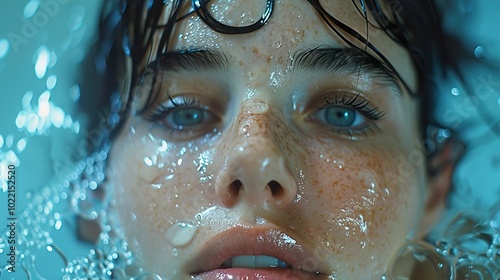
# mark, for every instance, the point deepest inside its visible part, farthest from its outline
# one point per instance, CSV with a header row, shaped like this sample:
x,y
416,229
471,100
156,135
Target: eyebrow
x,y
347,61
332,61
194,60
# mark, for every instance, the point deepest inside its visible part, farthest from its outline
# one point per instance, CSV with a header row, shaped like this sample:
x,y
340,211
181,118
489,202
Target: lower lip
x,y
255,274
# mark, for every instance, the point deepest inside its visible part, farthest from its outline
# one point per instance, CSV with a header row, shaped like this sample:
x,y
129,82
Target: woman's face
x,y
274,154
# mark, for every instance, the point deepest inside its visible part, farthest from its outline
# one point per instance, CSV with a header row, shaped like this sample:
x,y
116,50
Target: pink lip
x,y
258,274
255,241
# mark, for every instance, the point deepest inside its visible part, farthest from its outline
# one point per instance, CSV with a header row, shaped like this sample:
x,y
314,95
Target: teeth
x,y
250,261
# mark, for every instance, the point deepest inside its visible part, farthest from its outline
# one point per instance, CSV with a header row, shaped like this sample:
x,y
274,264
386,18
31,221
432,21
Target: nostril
x,y
234,188
276,188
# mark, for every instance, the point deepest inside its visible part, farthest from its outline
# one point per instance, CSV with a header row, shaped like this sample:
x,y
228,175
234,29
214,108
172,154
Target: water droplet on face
x,y
156,186
181,234
245,130
199,218
150,161
386,192
163,146
278,44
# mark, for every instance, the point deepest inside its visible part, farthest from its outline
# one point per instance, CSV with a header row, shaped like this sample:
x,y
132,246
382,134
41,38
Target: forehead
x,y
294,26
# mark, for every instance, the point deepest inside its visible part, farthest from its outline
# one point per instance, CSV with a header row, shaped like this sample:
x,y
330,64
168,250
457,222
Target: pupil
x,y
339,116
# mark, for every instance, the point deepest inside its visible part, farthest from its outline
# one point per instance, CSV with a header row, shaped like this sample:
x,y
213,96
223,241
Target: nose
x,y
255,171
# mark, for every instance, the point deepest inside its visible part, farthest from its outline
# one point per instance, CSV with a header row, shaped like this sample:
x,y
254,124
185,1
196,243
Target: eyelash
x,y
162,110
359,104
363,106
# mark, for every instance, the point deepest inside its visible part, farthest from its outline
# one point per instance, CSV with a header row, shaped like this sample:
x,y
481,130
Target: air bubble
x,y
477,244
4,48
474,271
51,82
427,259
42,61
495,221
479,52
496,258
21,144
31,8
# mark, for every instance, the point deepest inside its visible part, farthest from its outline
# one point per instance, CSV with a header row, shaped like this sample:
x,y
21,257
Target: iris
x,y
187,117
340,116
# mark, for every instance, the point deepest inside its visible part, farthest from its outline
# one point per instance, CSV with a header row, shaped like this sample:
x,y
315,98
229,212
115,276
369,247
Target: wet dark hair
x,y
123,32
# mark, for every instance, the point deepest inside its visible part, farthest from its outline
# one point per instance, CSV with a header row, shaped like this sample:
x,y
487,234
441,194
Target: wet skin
x,y
265,154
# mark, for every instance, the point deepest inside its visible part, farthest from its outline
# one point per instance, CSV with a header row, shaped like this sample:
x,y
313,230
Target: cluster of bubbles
x,y
469,248
79,194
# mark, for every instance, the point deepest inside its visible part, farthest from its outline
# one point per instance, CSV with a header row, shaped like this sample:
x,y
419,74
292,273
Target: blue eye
x,y
184,117
347,115
341,116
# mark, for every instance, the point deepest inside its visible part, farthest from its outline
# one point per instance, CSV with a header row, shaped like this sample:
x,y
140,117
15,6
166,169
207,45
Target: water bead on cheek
x,y
181,234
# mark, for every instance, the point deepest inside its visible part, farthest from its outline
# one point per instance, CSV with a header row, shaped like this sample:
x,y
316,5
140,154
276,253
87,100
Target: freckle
x,y
255,50
268,60
240,63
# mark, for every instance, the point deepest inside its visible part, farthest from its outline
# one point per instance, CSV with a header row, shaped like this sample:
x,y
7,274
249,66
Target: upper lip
x,y
239,241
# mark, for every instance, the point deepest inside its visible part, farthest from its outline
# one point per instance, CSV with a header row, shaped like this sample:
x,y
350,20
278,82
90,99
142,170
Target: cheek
x,y
367,198
156,183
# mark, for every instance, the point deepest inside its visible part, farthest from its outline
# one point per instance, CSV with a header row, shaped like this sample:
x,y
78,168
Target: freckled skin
x,y
346,199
